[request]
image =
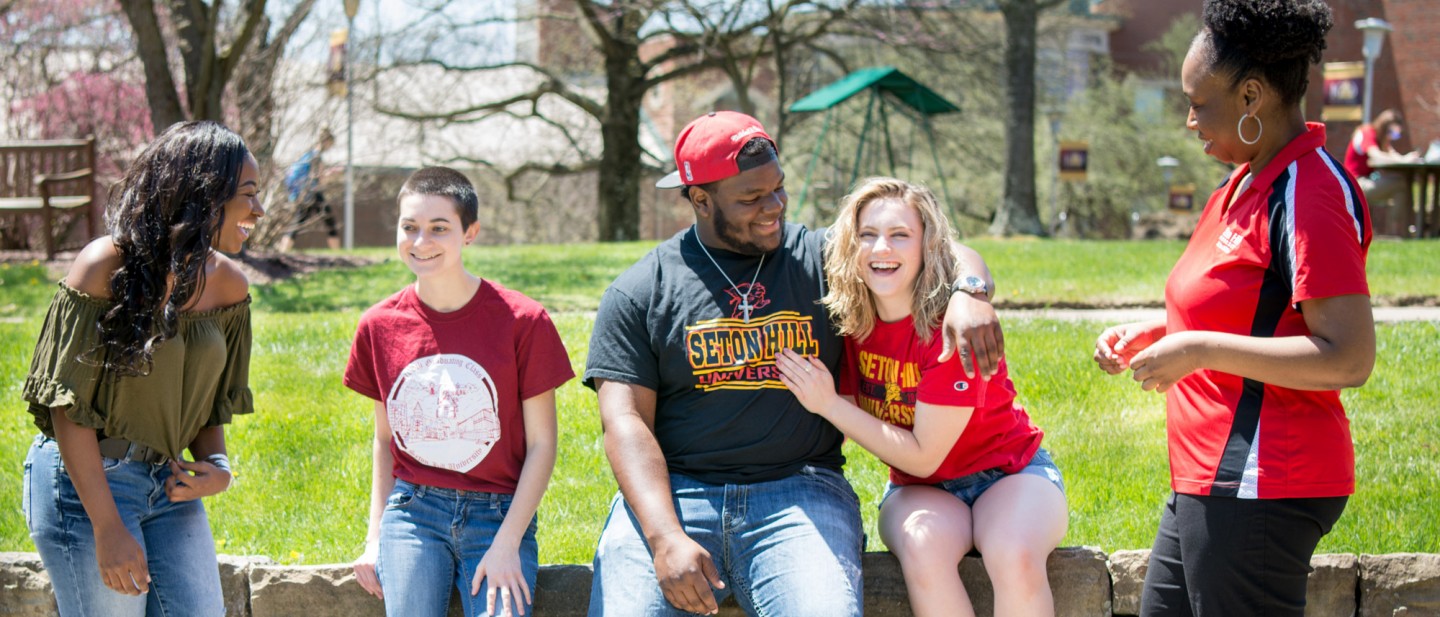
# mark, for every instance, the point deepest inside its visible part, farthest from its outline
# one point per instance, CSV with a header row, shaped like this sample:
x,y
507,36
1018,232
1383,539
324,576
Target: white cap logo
x,y
689,177
743,132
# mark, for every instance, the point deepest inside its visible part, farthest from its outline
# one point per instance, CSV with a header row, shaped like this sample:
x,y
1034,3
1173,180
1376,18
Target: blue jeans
x,y
970,488
179,549
789,547
432,540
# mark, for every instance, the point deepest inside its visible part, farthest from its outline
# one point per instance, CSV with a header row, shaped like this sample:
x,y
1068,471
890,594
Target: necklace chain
x,y
744,297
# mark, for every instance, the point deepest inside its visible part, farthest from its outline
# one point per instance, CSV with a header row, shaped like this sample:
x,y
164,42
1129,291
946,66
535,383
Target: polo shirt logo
x,y
1229,241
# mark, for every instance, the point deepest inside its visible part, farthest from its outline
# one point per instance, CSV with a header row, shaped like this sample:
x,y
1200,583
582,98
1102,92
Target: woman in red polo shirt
x,y
1267,318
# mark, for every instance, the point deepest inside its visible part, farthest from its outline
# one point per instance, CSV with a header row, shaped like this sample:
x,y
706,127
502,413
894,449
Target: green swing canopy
x,y
879,81
887,79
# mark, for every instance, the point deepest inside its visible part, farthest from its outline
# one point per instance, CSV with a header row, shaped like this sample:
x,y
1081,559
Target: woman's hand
x,y
1117,345
192,480
122,561
364,567
1168,360
808,379
501,566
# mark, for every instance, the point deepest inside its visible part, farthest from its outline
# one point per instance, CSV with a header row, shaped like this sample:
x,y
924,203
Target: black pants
x,y
1228,556
313,206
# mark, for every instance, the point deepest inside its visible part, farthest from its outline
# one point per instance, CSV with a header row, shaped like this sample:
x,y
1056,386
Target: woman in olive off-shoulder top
x,y
143,355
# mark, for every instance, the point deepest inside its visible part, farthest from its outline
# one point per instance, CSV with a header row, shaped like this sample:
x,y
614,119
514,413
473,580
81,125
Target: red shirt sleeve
x,y
360,368
945,383
1331,239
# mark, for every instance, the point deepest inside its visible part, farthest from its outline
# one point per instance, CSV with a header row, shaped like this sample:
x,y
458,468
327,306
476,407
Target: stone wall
x,y
1086,582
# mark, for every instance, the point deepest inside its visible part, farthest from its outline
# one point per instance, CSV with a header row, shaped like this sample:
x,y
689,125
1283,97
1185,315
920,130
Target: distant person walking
x,y
302,181
1267,318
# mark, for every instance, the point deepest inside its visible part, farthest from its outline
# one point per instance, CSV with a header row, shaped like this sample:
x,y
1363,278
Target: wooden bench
x,y
48,178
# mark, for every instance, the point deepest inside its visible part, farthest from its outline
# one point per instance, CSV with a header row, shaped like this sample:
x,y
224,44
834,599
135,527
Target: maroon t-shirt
x,y
453,383
893,368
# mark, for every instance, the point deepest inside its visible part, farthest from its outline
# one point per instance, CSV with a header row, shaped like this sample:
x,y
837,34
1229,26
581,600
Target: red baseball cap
x,y
707,148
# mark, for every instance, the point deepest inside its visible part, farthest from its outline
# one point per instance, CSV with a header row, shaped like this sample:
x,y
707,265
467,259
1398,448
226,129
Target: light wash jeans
x,y
180,552
431,541
785,548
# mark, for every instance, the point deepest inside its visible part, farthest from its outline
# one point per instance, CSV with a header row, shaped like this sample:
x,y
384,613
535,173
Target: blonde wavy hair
x,y
849,301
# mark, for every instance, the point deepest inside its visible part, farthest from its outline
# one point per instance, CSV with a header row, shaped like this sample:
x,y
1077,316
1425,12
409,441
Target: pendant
x,y
746,307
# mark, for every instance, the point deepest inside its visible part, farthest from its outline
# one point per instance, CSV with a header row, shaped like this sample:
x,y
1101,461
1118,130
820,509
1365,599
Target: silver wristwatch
x,y
971,284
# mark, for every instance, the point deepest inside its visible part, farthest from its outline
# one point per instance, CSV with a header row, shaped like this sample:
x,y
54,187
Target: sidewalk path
x,y
1382,314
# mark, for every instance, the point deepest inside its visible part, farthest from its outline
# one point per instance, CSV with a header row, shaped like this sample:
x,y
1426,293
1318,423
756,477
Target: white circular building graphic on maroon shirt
x,y
442,412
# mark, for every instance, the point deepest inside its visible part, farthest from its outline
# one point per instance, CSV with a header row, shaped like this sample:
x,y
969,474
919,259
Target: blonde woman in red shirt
x,y
966,467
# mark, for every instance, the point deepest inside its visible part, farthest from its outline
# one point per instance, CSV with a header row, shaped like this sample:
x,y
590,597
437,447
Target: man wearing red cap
x,y
727,484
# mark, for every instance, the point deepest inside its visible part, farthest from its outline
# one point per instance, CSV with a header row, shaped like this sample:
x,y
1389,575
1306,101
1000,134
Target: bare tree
x,y
210,48
639,45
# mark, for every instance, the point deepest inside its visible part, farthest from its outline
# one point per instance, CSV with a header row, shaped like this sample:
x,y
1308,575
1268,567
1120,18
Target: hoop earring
x,y
1239,129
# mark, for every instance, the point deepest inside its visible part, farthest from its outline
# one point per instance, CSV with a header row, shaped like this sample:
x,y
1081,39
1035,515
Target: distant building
x,y
1407,75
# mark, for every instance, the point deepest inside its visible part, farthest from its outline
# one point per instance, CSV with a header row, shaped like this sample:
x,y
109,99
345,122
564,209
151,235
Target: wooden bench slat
x,y
15,205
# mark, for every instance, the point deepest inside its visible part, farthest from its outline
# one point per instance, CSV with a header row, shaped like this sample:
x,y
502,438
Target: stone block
x,y
1127,578
1399,584
313,591
25,587
235,581
1331,591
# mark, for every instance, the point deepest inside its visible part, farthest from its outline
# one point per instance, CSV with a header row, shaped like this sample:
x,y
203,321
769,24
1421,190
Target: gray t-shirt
x,y
672,323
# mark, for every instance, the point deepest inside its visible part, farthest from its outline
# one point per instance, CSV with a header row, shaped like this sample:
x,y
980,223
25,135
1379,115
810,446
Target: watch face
x,y
971,284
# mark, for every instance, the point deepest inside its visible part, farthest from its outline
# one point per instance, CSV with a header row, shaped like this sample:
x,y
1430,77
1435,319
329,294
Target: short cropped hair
x,y
445,182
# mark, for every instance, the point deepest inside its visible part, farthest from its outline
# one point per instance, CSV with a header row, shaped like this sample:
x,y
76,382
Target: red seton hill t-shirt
x,y
1299,232
893,368
452,383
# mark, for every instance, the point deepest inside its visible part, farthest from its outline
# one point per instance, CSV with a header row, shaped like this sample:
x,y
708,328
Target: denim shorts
x,y
971,487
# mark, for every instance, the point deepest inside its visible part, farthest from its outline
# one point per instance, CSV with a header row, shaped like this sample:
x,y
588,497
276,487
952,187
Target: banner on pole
x,y
1074,160
1182,197
1344,91
335,67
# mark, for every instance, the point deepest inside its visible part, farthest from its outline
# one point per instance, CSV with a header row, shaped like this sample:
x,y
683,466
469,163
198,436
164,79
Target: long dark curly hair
x,y
163,215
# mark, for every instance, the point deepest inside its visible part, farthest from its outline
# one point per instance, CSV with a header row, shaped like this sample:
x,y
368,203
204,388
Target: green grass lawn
x,y
302,461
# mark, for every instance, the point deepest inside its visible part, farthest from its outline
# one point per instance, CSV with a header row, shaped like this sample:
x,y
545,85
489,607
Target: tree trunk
x,y
1018,213
619,174
160,91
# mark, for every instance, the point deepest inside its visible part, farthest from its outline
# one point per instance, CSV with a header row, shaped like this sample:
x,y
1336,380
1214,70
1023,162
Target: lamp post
x,y
1374,30
1167,169
351,8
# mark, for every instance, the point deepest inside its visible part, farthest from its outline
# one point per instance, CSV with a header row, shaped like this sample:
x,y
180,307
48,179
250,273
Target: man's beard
x,y
729,235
